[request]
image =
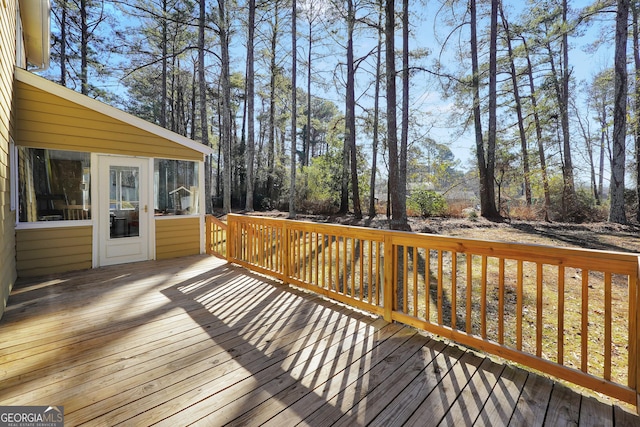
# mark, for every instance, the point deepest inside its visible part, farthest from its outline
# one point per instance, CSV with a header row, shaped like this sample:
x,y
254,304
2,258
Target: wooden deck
x,y
197,341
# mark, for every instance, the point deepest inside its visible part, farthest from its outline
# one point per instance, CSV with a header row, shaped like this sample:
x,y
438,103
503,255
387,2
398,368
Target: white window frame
x,y
39,224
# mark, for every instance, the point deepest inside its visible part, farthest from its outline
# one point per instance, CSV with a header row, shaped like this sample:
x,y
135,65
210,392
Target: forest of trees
x,y
336,126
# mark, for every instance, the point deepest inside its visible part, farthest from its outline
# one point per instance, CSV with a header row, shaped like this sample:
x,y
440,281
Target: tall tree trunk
x,y
376,110
566,137
250,106
404,125
586,134
294,110
561,86
193,106
485,164
516,95
308,136
603,140
398,215
225,83
539,140
63,42
604,137
163,90
493,128
636,128
84,48
350,118
273,69
203,101
173,97
616,211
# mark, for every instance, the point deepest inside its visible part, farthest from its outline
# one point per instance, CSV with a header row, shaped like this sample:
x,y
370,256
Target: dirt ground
x,y
601,235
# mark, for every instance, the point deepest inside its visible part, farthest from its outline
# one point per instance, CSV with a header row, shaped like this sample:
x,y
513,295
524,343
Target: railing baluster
x,y
395,276
415,281
519,298
440,284
344,266
317,249
330,262
483,298
501,312
585,321
379,280
405,279
261,250
353,267
337,264
323,282
296,253
371,278
427,284
561,314
454,289
469,290
634,336
305,259
607,326
539,309
360,289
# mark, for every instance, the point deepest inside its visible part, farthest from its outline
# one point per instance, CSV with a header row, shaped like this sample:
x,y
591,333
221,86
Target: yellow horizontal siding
x,y
53,250
7,217
176,237
48,121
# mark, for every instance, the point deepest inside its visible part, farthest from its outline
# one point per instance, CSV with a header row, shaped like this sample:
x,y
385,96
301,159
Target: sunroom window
x,y
53,185
176,189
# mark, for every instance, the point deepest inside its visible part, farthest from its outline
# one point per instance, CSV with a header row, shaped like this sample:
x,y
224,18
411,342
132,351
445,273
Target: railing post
x,y
231,231
388,278
208,224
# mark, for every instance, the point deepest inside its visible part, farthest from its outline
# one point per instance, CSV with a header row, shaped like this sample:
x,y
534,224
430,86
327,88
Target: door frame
x,y
101,213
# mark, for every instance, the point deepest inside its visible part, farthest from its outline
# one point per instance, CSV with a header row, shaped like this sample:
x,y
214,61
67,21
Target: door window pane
x,y
124,201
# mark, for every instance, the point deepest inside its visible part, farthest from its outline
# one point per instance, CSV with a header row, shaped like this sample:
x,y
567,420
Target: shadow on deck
x,y
198,341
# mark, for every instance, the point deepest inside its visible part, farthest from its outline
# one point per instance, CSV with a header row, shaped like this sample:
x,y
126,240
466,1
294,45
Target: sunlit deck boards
x,y
196,341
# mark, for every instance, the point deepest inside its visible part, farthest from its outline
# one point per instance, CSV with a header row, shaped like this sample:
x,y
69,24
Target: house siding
x,y
176,237
7,217
53,250
45,120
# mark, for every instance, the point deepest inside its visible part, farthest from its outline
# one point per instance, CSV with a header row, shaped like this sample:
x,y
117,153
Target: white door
x,y
123,220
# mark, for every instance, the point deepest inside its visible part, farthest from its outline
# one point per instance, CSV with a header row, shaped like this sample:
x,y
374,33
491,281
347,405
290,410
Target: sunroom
x,y
94,186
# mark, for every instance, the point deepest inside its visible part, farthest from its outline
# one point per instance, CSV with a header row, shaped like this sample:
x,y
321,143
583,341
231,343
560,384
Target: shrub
x,y
428,203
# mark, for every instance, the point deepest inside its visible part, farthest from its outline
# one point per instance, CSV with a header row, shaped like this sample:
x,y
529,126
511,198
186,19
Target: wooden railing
x,y
216,236
570,313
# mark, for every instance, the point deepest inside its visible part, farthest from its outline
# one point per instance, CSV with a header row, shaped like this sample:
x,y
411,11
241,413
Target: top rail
x,y
571,313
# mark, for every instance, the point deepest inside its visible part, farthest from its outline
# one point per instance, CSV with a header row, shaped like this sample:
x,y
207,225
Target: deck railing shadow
x,y
255,353
570,313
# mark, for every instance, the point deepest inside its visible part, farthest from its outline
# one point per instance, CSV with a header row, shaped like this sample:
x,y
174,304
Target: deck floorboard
x,y
196,341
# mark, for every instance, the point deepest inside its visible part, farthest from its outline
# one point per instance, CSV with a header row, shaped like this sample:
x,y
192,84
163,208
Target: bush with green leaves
x,y
428,203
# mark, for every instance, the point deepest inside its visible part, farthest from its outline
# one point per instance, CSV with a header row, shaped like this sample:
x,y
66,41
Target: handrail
x,y
570,313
